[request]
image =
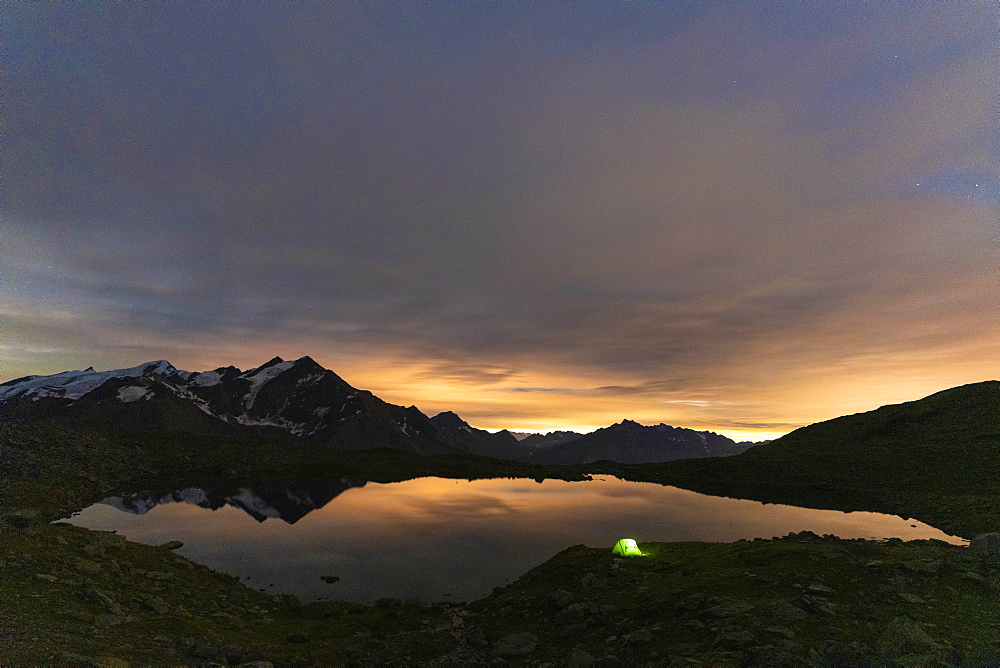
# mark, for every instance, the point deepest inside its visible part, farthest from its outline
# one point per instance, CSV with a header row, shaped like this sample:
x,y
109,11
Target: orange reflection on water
x,y
434,537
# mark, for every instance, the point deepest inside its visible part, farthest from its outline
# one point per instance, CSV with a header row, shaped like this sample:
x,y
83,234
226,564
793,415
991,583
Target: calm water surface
x,y
443,539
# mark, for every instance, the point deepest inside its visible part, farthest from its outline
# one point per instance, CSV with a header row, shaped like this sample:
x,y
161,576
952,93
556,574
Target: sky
x,y
736,216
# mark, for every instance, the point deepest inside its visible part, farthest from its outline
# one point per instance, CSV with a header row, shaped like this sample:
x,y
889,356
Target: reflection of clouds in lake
x,y
464,505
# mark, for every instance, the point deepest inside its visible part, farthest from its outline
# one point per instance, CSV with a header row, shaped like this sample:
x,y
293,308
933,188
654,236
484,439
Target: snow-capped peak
x,y
74,384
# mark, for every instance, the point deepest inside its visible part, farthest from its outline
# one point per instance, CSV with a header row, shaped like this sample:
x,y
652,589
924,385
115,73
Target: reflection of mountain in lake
x,y
290,502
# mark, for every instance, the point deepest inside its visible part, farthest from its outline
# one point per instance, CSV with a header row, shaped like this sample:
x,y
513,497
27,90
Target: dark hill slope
x,y
936,459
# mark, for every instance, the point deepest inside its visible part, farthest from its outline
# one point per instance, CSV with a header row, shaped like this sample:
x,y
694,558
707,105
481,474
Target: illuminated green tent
x,y
627,548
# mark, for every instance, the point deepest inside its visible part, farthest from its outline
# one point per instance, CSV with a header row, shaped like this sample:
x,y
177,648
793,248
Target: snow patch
x,y
258,379
321,411
133,393
207,379
311,379
295,428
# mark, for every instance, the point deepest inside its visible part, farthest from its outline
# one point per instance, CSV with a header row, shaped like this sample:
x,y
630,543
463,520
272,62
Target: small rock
x,y
579,659
815,605
730,608
46,578
109,619
910,598
560,598
106,600
517,644
735,639
111,662
692,602
783,611
172,544
476,638
100,542
87,567
818,589
155,604
782,631
903,636
21,519
568,630
769,655
641,637
929,566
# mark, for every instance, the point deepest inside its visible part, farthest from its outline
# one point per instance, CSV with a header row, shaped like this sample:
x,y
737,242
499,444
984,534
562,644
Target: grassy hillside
x,y
88,598
77,597
936,459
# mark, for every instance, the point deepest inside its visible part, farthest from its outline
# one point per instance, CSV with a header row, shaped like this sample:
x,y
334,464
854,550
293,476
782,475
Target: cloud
x,y
466,374
715,209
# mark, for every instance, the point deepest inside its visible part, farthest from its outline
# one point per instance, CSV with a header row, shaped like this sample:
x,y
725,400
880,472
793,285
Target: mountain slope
x,y
629,442
499,445
297,398
936,459
547,440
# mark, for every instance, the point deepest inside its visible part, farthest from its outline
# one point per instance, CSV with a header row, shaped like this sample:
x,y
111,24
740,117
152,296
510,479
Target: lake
x,y
438,539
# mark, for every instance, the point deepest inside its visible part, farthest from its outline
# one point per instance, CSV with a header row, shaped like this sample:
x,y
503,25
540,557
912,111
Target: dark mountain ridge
x,y
547,440
304,401
299,399
499,445
936,459
629,442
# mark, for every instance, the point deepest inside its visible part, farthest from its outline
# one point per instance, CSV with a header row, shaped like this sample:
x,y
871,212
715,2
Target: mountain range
x,y
304,401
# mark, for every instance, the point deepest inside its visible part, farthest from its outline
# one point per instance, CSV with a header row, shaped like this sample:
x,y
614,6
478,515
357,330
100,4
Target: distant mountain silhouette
x,y
629,442
303,401
500,445
542,441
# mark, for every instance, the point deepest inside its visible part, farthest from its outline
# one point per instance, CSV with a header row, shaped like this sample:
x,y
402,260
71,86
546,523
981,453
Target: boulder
x,y
21,519
87,567
729,608
579,659
903,636
735,639
560,598
154,604
986,546
783,611
517,644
